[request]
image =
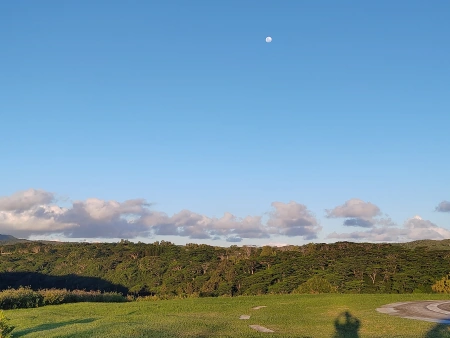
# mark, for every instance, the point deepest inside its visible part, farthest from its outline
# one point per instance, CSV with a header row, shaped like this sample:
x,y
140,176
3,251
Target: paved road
x,y
437,311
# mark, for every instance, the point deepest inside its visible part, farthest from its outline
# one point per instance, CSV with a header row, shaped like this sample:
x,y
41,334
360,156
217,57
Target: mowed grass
x,y
288,315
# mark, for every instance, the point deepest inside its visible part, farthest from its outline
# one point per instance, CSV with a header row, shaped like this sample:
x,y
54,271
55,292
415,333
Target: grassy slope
x,y
289,315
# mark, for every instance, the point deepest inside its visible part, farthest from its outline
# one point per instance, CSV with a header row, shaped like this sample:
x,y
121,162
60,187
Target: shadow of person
x,y
346,326
441,330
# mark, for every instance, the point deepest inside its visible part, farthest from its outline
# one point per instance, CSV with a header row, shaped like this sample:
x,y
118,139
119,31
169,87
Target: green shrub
x,y
54,296
27,298
314,285
20,298
442,285
60,296
5,328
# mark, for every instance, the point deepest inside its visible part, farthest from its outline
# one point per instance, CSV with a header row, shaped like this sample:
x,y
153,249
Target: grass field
x,y
288,315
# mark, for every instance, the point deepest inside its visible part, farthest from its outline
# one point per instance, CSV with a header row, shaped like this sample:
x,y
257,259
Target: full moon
x,y
268,39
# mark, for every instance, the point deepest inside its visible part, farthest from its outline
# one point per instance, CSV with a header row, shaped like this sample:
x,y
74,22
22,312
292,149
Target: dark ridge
x,y
11,239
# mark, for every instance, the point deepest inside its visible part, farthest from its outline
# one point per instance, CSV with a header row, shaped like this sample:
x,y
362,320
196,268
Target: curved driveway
x,y
437,311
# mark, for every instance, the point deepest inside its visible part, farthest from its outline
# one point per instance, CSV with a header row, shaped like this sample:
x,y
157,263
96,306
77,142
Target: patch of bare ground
x,y
261,328
258,307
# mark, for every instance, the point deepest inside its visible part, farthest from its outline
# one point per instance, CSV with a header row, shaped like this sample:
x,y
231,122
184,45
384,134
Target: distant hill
x,y
165,270
430,244
443,244
8,239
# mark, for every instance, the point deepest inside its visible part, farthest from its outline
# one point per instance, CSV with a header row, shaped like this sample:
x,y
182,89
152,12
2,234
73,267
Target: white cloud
x,y
188,223
91,218
277,244
354,208
418,228
293,219
104,210
24,200
38,220
358,214
414,228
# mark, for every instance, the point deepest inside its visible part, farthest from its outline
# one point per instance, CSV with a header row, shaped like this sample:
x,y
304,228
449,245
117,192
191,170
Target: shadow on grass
x,y
120,330
45,327
37,280
441,330
140,333
346,326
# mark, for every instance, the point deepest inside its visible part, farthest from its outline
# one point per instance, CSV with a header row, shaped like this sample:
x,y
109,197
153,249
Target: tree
x,y
442,285
316,284
266,251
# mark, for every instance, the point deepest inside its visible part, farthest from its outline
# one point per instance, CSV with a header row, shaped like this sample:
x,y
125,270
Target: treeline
x,y
163,269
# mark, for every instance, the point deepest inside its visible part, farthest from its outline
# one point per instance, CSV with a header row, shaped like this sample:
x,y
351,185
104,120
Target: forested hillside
x,y
168,270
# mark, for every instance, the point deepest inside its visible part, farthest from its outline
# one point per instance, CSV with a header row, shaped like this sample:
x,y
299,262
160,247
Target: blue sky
x,y
184,105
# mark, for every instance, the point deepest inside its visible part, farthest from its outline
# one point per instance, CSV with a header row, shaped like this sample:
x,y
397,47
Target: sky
x,y
176,121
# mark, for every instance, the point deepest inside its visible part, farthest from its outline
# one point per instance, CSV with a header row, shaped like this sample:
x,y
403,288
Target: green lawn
x,y
288,315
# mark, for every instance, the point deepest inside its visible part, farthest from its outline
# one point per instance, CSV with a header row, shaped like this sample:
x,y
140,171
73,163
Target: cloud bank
x,y
35,212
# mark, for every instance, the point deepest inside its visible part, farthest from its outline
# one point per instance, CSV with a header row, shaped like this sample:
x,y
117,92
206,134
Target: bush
x,y
54,296
60,296
20,298
27,298
314,285
5,328
442,285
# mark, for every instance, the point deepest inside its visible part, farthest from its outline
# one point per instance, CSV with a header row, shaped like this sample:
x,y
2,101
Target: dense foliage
x,y
165,270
